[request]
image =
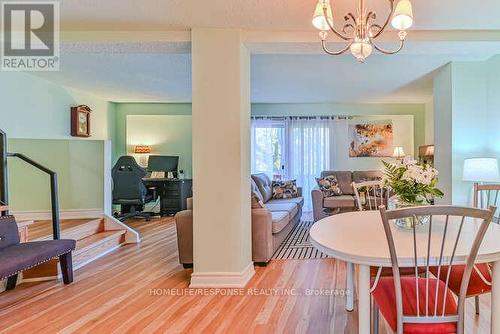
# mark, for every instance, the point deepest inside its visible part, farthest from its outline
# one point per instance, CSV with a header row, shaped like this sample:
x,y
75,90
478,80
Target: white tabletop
x,y
359,237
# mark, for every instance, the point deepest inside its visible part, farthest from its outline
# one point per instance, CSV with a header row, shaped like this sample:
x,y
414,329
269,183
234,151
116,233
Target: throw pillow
x,y
256,201
285,189
329,185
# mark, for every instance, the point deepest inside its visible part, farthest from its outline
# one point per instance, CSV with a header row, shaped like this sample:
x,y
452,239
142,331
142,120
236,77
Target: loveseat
x,y
272,221
323,206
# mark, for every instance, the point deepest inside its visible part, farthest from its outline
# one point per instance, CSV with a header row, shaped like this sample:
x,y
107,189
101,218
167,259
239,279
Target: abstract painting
x,y
371,140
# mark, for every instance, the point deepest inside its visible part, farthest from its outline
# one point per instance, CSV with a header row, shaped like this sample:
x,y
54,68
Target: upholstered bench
x,y
16,257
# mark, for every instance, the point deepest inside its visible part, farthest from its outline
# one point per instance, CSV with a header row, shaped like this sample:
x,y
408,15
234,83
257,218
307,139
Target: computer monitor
x,y
163,163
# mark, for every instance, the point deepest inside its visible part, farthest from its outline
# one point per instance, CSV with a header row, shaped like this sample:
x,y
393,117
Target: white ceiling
x,y
260,14
282,71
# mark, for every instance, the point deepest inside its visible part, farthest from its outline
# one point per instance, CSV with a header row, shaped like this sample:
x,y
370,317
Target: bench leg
x,y
66,262
11,282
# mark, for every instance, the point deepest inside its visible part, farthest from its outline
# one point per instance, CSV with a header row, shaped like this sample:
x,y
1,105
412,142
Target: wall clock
x,y
80,121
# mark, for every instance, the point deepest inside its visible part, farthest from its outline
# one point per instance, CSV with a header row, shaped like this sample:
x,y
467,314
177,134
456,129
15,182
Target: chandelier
x,y
361,31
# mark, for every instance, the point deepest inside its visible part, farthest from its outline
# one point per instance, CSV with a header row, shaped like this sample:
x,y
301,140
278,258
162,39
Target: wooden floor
x,y
142,289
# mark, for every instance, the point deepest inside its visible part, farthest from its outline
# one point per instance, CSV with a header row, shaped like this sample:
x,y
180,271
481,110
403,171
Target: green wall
x,y
35,114
327,109
122,110
78,163
417,111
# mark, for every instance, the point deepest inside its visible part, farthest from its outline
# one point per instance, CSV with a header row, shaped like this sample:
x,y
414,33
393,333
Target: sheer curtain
x,y
309,151
306,146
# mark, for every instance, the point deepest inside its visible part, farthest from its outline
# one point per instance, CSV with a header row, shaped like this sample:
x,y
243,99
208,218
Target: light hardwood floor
x,y
127,291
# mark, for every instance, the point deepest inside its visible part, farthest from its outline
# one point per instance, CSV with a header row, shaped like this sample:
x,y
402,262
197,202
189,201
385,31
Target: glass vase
x,y
409,222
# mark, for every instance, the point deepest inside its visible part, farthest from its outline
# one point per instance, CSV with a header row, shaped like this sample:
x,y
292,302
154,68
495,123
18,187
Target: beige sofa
x,y
270,224
347,201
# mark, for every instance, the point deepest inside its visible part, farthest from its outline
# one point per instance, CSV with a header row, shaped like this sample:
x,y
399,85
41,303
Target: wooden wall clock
x,y
80,121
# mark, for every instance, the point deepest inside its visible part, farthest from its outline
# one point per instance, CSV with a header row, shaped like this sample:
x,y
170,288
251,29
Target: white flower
x,y
408,161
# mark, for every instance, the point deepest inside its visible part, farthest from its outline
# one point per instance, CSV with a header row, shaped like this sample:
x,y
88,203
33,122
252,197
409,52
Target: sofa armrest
x,y
262,235
184,224
317,202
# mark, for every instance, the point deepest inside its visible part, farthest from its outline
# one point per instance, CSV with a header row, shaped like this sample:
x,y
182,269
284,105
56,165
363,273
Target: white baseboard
x,y
222,279
63,214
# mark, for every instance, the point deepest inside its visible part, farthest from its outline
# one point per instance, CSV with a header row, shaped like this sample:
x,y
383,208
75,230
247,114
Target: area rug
x,y
297,245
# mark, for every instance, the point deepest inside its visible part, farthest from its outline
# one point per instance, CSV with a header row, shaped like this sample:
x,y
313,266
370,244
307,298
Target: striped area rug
x,y
297,245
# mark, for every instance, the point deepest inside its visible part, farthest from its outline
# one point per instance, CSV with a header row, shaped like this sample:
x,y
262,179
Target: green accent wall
x,y
332,109
35,114
122,110
78,163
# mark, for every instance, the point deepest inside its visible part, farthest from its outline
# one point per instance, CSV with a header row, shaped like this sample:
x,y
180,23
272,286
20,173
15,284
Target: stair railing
x,y
54,197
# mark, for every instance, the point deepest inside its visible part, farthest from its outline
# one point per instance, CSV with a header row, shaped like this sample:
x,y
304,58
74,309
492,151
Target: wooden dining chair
x,y
428,305
485,195
373,193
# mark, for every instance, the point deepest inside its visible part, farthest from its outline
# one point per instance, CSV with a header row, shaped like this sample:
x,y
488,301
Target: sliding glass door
x,y
302,145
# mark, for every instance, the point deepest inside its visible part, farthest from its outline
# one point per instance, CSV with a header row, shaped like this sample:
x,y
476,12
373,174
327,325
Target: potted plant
x,y
413,184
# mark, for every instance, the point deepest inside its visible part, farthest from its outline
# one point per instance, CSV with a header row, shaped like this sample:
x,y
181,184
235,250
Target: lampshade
x,y
319,21
426,151
361,49
481,170
403,15
399,153
142,149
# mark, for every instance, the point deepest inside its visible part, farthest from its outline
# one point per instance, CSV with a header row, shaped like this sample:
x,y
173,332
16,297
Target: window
x,y
268,147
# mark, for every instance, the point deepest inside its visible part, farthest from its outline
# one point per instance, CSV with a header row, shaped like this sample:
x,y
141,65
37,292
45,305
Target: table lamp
x,y
479,170
142,150
399,153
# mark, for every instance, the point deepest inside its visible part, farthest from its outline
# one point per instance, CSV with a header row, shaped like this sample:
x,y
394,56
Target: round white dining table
x,y
358,238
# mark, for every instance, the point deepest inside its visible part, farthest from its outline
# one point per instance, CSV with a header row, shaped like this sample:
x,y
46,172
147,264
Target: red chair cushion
x,y
385,297
476,284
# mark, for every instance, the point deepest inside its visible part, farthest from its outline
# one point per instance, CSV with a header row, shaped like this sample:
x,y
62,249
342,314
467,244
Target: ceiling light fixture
x,y
360,31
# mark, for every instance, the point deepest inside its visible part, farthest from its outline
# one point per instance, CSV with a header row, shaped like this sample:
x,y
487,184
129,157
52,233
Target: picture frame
x,y
80,121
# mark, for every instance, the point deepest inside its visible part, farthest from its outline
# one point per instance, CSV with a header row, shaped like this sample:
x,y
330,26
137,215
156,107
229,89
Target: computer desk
x,y
173,193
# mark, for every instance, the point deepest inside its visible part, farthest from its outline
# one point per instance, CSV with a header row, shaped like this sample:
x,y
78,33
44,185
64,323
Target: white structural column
x,y
221,159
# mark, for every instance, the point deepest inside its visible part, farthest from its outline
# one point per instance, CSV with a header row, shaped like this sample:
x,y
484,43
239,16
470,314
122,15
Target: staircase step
x,y
97,245
84,230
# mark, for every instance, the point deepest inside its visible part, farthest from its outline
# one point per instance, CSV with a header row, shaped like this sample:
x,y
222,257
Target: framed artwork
x,y
80,121
371,139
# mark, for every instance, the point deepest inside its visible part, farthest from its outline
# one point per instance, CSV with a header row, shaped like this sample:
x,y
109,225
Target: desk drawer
x,y
171,203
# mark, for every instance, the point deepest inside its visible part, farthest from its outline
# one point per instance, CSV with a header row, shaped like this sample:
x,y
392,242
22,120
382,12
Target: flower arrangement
x,y
413,183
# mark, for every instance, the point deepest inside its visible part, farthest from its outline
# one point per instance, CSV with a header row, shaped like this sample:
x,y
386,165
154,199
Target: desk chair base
x,y
131,211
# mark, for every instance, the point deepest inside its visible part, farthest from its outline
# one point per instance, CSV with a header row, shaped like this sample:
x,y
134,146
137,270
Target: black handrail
x,y
54,197
3,170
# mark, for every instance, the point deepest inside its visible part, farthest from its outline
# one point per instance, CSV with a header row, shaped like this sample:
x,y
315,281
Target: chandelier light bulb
x,y
403,15
319,21
361,49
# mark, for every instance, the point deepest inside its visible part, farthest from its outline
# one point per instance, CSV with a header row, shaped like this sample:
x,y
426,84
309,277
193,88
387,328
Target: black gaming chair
x,y
129,190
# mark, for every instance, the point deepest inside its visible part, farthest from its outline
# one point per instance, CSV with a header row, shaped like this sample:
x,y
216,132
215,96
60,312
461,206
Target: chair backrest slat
x,y
452,219
490,191
374,192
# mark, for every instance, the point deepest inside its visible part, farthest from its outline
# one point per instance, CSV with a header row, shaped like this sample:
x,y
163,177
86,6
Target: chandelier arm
x,y
335,53
387,20
325,14
387,52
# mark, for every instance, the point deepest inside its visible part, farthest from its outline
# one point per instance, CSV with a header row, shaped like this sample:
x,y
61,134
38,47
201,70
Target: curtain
x,y
305,146
309,152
